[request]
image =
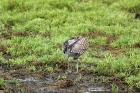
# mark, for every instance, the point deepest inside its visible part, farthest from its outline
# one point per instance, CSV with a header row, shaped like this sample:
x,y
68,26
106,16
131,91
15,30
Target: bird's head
x,y
78,37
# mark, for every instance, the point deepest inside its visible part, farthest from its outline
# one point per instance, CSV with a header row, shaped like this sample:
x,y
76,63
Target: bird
x,y
75,47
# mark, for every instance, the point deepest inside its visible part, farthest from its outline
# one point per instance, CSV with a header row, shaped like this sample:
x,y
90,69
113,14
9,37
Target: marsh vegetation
x,y
32,33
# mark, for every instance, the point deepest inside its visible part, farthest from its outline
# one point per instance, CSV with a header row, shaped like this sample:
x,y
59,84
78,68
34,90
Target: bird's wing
x,y
81,46
68,44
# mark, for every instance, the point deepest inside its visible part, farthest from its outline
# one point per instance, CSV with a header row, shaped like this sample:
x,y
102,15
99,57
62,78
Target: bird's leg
x,y
77,66
68,66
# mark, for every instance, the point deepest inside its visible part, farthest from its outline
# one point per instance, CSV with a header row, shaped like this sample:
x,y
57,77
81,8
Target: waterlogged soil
x,y
20,80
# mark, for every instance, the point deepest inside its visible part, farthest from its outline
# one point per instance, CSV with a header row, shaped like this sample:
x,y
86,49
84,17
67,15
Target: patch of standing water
x,y
98,89
27,85
32,85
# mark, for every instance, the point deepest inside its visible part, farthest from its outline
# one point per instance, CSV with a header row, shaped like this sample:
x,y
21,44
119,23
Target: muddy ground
x,y
19,80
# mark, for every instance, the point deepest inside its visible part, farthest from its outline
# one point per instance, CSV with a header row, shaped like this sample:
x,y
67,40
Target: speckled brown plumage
x,y
75,47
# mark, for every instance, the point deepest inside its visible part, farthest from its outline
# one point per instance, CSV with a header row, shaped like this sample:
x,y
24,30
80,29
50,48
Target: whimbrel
x,y
75,47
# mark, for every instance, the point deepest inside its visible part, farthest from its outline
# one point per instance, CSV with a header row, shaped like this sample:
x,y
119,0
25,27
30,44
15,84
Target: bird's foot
x,y
68,72
76,72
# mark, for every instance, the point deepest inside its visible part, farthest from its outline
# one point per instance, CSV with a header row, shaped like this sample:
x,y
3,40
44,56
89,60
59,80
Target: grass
x,y
35,30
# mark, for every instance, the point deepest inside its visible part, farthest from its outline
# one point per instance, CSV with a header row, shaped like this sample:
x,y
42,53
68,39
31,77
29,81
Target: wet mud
x,y
19,80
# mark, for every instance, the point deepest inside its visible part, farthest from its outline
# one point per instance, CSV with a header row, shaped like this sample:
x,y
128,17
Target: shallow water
x,y
49,85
